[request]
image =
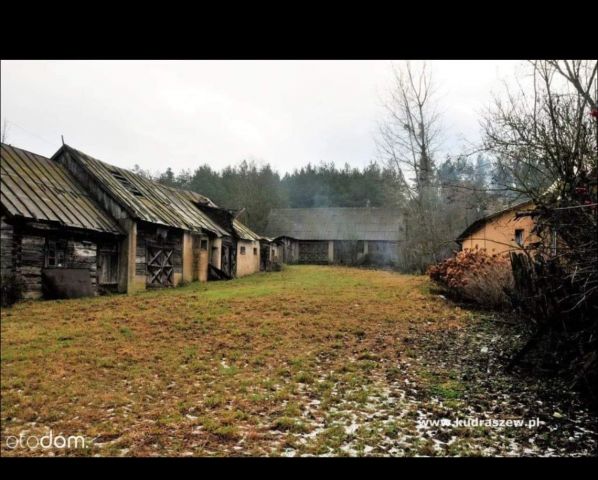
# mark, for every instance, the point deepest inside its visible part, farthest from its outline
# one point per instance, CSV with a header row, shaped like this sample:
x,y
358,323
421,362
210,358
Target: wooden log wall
x,y
7,260
24,252
30,256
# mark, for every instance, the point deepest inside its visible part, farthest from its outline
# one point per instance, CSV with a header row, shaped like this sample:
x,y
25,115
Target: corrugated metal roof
x,y
382,224
38,188
146,199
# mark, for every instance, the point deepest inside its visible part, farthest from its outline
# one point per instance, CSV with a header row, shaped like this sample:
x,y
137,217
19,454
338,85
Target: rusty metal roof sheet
x,y
146,199
38,188
374,224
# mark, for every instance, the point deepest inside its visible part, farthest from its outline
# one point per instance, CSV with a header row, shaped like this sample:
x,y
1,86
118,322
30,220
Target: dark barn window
x,y
203,245
55,253
242,251
255,251
519,237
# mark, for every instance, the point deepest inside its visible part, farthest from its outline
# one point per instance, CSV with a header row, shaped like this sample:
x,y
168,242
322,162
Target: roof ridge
x,y
7,145
151,180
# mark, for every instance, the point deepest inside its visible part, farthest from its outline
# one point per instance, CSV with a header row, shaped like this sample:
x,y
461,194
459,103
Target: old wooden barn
x,y
73,225
338,235
52,229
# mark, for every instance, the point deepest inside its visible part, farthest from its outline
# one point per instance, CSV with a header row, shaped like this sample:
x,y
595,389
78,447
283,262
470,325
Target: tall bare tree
x,y
546,137
408,142
409,136
543,135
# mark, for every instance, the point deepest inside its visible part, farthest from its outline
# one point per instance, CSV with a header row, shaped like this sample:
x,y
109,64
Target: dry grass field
x,y
307,361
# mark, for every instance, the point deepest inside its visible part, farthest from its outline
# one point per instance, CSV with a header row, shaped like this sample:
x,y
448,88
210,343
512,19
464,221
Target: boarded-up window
x,y
107,266
55,253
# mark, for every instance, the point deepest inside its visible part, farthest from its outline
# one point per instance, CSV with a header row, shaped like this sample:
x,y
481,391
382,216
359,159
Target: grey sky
x,y
184,113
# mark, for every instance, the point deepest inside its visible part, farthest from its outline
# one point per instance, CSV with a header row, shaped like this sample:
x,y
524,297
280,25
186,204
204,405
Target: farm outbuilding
x,y
165,228
338,235
271,253
236,254
501,232
72,216
53,230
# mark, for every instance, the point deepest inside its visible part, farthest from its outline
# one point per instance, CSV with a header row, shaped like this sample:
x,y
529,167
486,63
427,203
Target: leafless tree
x,y
409,136
408,142
545,136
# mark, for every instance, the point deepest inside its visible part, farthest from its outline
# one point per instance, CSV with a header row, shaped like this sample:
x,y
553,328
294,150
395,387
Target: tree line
x,y
462,185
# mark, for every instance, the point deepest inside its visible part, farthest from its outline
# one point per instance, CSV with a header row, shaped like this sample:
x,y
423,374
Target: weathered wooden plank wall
x,y
7,261
147,234
313,252
24,246
29,263
83,254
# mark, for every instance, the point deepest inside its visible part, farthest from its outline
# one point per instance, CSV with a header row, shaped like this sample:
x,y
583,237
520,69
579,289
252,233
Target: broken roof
x,y
38,188
244,232
146,199
339,223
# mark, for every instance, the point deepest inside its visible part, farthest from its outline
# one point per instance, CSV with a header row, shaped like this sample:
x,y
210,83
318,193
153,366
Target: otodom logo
x,y
47,441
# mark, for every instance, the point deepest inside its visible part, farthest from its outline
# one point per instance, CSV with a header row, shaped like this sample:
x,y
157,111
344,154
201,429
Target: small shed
x,y
500,232
238,253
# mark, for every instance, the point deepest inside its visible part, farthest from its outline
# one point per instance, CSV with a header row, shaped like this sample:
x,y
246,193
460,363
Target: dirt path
x,y
308,361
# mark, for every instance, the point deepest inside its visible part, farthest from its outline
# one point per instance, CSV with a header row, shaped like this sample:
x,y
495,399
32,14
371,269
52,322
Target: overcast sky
x,y
184,113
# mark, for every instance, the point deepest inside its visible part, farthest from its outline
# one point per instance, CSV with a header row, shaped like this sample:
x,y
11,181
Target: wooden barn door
x,y
160,269
228,260
225,259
